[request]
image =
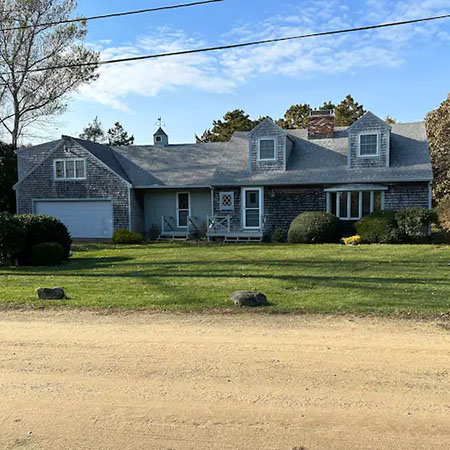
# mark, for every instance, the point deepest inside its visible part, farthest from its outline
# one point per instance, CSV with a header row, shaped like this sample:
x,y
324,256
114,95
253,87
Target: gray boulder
x,y
249,298
56,293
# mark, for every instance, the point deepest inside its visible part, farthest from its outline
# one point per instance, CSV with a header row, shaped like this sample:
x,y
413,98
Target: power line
x,y
109,16
240,45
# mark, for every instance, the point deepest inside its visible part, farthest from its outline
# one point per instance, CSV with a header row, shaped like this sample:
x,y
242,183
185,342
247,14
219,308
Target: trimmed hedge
x,y
315,228
12,237
41,229
414,223
123,236
47,254
380,227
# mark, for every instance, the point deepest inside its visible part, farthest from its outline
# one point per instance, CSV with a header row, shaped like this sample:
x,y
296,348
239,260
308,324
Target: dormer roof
x,y
266,121
368,115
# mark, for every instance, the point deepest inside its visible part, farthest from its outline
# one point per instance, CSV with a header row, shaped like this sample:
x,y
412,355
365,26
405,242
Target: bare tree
x,y
30,87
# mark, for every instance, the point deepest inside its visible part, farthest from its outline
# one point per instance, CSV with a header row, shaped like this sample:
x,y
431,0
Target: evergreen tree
x,y
223,130
118,137
348,112
93,132
297,116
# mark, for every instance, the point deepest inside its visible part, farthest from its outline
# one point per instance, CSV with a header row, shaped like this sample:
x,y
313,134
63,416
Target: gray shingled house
x,y
242,189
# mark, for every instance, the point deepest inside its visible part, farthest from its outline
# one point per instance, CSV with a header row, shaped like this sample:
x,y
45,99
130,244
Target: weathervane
x,y
159,123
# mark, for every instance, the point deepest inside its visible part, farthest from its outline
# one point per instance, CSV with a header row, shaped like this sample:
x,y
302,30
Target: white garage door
x,y
84,219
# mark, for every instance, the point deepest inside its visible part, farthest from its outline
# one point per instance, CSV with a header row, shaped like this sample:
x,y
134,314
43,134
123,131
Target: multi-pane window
x,y
70,169
267,149
368,145
354,205
183,209
226,201
252,208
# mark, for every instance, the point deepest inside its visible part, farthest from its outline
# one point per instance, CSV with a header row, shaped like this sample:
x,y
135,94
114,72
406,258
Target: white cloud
x,y
150,77
221,72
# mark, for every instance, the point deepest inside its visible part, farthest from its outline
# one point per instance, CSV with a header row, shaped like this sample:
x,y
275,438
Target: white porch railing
x,y
218,224
169,226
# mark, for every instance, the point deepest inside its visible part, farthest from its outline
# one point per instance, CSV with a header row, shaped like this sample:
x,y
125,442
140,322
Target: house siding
x,y
283,204
369,124
101,183
158,203
236,213
407,195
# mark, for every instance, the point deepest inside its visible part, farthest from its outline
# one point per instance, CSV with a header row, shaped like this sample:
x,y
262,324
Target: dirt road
x,y
71,380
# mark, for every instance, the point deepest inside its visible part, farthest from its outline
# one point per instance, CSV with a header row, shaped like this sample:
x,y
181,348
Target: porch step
x,y
171,238
245,239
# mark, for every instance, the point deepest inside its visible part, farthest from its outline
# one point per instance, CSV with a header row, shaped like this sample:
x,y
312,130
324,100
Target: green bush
x,y
279,235
414,223
315,228
123,236
47,254
41,229
12,237
379,227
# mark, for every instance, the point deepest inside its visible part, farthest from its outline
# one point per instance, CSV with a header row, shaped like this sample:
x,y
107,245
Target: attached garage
x,y
84,219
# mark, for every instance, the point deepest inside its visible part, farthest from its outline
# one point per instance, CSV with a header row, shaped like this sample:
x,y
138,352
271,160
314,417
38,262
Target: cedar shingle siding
x,y
101,183
150,176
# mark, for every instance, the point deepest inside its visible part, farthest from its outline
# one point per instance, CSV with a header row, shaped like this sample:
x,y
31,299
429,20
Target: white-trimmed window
x,y
70,169
252,208
158,138
226,201
267,149
354,205
368,145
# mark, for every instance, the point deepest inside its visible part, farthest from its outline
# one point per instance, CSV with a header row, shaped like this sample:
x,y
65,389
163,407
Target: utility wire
x,y
109,16
240,45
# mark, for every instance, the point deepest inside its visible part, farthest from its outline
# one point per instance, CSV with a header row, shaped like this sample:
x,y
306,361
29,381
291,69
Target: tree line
x,y
297,116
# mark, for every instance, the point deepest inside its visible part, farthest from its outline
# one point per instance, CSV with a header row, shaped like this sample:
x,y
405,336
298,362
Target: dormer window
x,y
158,138
368,145
267,149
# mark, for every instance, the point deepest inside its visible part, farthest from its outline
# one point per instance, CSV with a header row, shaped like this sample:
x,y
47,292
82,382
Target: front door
x,y
252,208
183,209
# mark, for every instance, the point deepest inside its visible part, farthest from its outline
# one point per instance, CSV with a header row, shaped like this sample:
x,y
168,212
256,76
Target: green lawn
x,y
309,278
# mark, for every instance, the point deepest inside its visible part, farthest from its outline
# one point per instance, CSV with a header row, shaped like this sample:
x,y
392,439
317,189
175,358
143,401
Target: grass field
x,y
372,279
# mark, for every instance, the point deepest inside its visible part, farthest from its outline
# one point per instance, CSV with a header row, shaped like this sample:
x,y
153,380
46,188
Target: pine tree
x,y
118,137
93,132
348,112
297,116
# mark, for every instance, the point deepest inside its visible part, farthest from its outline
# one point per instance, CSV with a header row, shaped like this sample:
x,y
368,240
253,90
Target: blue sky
x,y
402,72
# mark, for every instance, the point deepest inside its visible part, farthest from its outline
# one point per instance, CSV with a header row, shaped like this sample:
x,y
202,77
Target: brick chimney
x,y
321,124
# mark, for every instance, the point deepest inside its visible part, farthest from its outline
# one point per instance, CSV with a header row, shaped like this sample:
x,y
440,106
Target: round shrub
x,y
47,254
279,235
39,229
379,227
12,237
315,228
123,236
415,223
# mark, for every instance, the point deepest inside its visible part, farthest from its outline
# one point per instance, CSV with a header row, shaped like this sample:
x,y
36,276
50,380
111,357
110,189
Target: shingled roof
x,y
318,161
